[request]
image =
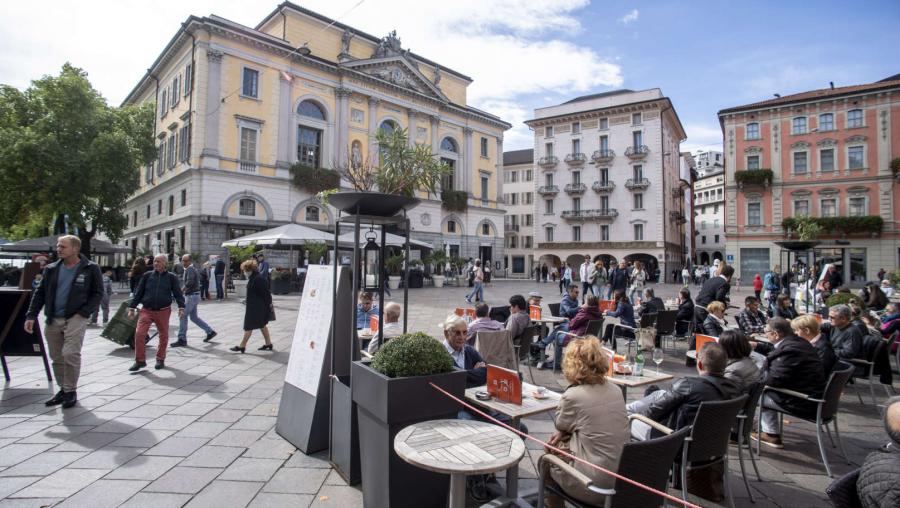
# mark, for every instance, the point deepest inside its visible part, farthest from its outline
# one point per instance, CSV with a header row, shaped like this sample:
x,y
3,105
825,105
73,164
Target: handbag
x,y
271,312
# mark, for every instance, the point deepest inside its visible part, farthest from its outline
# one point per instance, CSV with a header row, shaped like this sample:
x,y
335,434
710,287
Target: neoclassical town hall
x,y
237,106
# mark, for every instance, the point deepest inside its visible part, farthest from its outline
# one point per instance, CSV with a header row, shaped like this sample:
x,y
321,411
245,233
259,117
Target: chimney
x,y
832,84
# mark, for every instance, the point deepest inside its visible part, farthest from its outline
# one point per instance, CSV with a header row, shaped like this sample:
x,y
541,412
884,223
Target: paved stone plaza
x,y
201,432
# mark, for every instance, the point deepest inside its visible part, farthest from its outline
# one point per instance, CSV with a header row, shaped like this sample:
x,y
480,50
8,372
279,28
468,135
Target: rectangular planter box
x,y
385,406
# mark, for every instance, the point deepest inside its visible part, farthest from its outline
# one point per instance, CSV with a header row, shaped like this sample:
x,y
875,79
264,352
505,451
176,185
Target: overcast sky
x,y
705,55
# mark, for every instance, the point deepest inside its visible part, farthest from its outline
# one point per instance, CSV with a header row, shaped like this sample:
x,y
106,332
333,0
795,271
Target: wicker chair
x,y
707,444
826,409
647,462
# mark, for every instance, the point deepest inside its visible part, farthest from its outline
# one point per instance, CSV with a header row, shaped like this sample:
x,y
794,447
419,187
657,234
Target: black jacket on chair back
x,y
794,364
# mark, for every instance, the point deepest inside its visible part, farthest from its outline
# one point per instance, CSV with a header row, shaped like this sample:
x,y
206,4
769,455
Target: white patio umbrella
x,y
288,234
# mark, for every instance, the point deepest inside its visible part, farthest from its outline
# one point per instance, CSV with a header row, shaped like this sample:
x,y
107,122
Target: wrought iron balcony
x,y
677,217
576,159
637,183
596,214
549,161
511,228
637,152
547,190
603,156
607,186
575,188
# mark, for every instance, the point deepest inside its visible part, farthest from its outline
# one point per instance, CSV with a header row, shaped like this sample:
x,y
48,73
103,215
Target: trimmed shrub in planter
x,y
754,177
391,393
845,298
281,282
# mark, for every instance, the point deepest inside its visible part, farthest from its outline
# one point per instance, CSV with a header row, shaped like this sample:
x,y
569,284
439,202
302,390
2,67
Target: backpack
x,y
771,282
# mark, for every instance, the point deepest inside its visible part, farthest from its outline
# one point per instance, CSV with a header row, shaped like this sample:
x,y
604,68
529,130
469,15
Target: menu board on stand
x,y
304,410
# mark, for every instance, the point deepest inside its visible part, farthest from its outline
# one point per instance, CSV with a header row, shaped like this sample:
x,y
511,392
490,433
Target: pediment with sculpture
x,y
391,63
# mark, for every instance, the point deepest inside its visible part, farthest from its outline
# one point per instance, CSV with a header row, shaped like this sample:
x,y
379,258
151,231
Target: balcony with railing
x,y
576,159
575,188
548,161
677,217
247,166
596,214
603,156
637,152
548,190
637,184
511,228
601,187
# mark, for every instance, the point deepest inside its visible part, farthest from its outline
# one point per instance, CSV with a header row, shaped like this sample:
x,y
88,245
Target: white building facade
x,y
518,196
608,181
709,205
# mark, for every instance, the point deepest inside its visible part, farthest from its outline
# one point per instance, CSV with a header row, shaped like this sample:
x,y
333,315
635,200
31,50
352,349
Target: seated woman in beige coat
x,y
591,421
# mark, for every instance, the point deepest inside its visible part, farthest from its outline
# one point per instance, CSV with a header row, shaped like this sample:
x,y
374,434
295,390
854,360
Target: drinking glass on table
x,y
657,358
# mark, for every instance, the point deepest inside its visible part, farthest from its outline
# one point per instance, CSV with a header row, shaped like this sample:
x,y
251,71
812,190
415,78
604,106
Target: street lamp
x,y
372,272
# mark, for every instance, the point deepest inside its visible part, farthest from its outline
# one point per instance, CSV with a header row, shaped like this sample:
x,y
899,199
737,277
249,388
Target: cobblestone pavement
x,y
201,432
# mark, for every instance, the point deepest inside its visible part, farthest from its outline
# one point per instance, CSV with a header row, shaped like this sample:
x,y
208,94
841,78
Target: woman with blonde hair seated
x,y
591,422
715,324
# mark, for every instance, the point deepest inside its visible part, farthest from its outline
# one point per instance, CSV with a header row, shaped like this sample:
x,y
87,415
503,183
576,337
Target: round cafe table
x,y
458,448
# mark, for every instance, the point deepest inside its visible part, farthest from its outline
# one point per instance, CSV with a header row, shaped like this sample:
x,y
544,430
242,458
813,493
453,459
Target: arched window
x,y
388,126
247,207
449,145
312,213
310,109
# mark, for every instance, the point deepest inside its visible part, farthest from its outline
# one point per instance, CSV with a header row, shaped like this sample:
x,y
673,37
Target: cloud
x,y
702,136
516,52
630,17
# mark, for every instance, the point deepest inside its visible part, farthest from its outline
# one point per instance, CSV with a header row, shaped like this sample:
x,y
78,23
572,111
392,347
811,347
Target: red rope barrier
x,y
567,454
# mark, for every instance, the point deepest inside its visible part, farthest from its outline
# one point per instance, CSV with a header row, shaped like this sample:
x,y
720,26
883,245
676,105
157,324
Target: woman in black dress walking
x,y
259,304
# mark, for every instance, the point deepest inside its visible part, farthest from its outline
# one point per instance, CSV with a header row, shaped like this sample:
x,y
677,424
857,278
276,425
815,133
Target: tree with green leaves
x,y
67,156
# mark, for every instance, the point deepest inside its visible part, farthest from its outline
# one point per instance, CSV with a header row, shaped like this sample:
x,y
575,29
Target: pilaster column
x,y
464,179
499,175
342,124
411,120
435,127
373,128
209,157
285,112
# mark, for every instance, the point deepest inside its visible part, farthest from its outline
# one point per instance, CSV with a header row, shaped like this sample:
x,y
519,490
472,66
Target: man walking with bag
x,y
70,291
190,287
155,293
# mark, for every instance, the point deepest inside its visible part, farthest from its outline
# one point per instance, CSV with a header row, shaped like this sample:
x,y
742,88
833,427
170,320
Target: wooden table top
x,y
530,405
649,376
459,446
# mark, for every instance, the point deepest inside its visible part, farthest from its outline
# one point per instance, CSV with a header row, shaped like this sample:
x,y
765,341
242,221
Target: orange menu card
x,y
504,384
607,305
703,339
534,312
373,323
462,311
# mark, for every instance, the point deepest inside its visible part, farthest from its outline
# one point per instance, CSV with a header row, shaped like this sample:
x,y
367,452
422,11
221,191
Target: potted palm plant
x,y
239,255
391,185
438,258
394,265
391,392
459,265
315,252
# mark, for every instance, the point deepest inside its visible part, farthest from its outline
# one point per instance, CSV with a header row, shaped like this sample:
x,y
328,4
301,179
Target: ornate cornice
x,y
827,142
753,149
800,144
855,139
214,55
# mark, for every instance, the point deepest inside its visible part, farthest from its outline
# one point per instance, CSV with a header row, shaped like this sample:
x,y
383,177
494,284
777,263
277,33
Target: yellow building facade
x,y
237,106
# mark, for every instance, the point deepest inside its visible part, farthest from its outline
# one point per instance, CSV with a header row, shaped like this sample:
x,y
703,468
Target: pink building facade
x,y
823,153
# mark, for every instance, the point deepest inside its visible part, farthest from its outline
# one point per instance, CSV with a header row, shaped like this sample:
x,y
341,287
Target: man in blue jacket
x,y
155,293
618,279
70,291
